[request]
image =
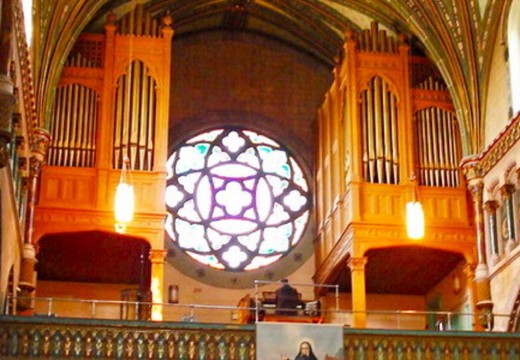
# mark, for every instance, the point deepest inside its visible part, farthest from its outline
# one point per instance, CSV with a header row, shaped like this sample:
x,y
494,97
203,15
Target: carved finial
x,y
167,19
349,34
111,18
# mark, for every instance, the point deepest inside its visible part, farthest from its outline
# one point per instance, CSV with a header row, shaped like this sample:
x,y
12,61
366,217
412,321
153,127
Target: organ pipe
x,y
395,137
134,118
377,84
378,113
73,129
438,150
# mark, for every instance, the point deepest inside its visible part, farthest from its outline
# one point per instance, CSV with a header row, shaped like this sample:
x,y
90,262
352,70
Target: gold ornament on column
x,y
124,198
414,214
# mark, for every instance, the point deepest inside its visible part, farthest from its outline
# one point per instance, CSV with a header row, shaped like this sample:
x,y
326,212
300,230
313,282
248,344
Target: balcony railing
x,y
43,337
50,307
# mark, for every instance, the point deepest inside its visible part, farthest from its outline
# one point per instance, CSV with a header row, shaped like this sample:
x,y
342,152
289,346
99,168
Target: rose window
x,y
236,199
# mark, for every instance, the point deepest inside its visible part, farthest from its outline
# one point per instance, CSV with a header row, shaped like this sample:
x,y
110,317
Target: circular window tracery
x,y
236,199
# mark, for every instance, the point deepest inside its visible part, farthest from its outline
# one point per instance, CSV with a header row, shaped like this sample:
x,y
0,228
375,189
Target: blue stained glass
x,y
202,148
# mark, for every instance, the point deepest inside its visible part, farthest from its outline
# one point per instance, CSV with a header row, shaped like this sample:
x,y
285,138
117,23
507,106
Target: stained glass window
x,y
236,200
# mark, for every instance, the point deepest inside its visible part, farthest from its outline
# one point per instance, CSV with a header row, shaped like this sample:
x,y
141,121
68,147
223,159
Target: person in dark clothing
x,y
287,299
305,352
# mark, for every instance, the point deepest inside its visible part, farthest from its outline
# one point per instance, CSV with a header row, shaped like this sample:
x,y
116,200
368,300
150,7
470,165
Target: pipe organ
x,y
112,97
386,118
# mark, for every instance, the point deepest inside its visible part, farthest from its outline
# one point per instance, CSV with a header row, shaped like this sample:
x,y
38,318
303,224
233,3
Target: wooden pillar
x,y
350,114
359,307
106,119
475,184
469,271
157,281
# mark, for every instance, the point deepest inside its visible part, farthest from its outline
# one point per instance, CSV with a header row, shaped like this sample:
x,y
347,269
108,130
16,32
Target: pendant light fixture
x,y
124,198
414,214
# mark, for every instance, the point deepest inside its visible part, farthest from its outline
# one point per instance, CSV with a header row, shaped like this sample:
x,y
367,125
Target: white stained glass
x,y
188,181
168,226
263,199
203,197
261,261
276,162
234,226
233,170
249,157
191,236
294,200
250,214
187,211
189,159
169,166
249,184
299,227
275,241
278,215
234,256
209,137
217,182
278,184
217,156
218,213
250,241
217,240
260,139
233,142
298,177
234,198
210,260
173,196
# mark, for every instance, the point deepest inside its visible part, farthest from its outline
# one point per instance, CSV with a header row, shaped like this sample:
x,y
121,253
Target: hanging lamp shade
x,y
124,200
414,220
414,214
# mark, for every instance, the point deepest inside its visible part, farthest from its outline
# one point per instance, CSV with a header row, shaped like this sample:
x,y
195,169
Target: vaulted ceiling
x,y
457,35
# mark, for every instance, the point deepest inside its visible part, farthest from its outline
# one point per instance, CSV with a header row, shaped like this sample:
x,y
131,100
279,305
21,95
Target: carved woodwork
x,y
380,123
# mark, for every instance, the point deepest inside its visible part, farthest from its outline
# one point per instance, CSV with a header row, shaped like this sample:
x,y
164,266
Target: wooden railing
x,y
62,338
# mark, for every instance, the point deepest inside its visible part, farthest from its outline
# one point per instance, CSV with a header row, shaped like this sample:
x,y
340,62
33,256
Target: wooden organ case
x,y
112,101
387,116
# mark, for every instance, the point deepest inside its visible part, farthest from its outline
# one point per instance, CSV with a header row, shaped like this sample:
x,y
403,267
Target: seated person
x,y
287,299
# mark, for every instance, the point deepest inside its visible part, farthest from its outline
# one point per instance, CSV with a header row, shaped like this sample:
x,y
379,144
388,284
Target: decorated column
x,y
507,192
7,102
359,307
39,144
475,184
157,258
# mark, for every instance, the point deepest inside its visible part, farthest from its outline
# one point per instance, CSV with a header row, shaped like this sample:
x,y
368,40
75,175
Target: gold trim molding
x,y
499,147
